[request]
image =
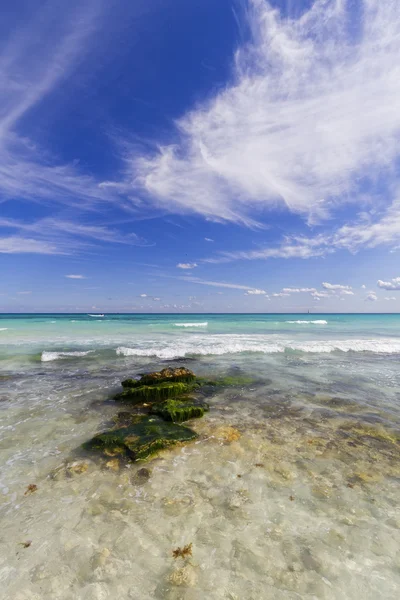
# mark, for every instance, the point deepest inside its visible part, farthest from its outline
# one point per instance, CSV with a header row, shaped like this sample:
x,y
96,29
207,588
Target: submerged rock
x,y
168,375
153,393
142,439
180,410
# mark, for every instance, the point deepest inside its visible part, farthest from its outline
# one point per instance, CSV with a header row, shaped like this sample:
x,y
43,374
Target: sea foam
x,y
49,356
317,322
234,344
191,324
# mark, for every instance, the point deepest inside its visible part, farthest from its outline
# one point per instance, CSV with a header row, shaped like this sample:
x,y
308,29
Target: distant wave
x,y
191,324
49,356
234,344
96,315
3,328
318,322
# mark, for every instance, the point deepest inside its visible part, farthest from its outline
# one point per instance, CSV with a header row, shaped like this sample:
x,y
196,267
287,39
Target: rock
x,y
180,410
142,439
167,375
153,393
141,476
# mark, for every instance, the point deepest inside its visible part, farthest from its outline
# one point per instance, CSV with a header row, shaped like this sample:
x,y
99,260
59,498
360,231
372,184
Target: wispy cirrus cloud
x,y
23,245
75,276
222,284
59,236
310,115
39,55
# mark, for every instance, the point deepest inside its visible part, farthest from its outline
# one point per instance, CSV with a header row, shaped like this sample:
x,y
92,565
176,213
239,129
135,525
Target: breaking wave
x,y
49,356
318,322
191,324
234,344
3,328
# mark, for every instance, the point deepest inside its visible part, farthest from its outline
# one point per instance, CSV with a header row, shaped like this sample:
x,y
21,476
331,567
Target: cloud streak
x,y
310,111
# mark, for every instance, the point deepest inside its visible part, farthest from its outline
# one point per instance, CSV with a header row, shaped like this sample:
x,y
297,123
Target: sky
x,y
230,156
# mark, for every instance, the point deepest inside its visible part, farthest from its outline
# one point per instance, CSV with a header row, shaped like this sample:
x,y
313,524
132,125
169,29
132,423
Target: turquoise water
x,y
291,491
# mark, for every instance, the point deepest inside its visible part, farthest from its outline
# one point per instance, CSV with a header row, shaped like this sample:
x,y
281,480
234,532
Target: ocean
x,y
291,490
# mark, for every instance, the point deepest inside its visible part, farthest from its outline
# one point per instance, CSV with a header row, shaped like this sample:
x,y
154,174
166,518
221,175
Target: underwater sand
x,y
291,491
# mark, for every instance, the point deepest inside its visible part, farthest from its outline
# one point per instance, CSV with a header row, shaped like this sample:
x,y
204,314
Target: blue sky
x,y
201,156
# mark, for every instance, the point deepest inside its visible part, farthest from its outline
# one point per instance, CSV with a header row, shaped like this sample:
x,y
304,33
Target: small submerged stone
x,y
142,439
141,476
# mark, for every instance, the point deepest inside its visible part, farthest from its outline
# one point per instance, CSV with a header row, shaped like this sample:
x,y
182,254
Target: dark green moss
x,y
180,410
153,393
141,440
131,383
229,381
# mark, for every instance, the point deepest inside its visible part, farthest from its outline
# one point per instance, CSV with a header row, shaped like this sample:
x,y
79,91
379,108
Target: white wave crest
x,y
317,322
191,324
233,344
3,328
49,356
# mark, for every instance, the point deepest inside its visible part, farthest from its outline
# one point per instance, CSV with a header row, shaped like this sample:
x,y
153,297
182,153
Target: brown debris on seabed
x,y
32,487
184,552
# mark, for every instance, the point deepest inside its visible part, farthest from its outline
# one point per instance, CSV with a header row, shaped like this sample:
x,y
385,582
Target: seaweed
x,y
32,487
183,552
181,410
153,393
228,381
141,440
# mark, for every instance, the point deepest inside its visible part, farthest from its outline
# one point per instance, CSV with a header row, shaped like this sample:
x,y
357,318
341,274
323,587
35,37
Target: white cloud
x,y
208,239
20,245
143,296
75,276
280,295
60,236
390,298
394,284
319,295
25,293
371,297
310,113
255,292
222,284
39,54
335,286
186,265
298,290
363,287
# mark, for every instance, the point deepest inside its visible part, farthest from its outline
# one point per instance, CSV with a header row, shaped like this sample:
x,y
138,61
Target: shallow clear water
x,y
291,491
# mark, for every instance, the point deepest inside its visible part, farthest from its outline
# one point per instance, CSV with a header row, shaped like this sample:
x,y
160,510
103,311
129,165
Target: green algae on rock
x,y
153,393
228,381
180,374
141,440
180,410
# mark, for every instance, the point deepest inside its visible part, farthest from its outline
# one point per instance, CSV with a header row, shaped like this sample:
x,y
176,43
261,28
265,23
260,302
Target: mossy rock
x,y
228,381
141,440
180,374
153,393
180,410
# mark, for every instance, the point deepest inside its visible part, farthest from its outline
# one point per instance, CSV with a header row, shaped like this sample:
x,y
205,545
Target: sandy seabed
x,y
284,495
